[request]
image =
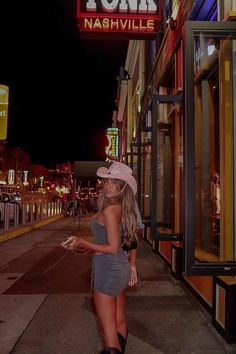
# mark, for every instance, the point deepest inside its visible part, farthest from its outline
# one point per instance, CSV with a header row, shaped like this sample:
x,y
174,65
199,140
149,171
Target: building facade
x,y
176,114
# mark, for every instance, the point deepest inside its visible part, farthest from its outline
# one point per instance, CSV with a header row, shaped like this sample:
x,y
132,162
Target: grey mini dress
x,y
110,272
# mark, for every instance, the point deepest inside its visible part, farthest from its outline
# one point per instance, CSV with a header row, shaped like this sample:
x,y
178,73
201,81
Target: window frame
x,y
191,264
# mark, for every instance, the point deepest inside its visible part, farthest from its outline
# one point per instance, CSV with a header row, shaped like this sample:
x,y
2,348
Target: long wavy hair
x,y
126,199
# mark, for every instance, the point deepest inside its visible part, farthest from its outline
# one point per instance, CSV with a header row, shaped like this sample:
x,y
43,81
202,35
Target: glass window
x,y
210,140
213,150
169,168
229,5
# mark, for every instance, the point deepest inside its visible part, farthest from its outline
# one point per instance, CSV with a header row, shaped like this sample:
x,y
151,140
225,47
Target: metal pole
x,y
139,167
154,167
131,156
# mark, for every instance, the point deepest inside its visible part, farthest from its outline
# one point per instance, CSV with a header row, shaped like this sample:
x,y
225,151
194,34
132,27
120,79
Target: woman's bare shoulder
x,y
112,210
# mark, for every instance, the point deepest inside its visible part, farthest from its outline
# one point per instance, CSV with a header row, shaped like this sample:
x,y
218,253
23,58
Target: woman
x,y
112,271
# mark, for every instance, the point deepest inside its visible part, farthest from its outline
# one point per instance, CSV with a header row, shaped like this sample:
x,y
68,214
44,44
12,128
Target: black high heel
x,y
108,350
122,340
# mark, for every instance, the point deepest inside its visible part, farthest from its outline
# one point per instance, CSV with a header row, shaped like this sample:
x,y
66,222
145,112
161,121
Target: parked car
x,y
18,197
10,200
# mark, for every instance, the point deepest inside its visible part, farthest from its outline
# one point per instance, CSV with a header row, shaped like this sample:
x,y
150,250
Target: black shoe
x,y
122,341
108,350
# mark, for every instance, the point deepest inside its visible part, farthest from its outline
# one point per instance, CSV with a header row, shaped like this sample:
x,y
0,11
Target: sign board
x,y
4,93
138,19
112,150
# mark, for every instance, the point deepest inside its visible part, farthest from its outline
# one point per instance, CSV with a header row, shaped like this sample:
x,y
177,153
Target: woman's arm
x,y
132,261
111,219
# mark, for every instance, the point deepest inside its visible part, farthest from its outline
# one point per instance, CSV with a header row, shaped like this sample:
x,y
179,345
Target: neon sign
x,y
4,93
112,150
121,5
25,178
11,177
129,18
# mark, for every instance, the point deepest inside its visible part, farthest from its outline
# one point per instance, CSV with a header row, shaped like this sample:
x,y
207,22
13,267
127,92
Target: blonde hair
x,y
126,199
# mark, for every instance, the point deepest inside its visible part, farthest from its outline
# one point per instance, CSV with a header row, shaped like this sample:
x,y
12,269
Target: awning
x,y
88,169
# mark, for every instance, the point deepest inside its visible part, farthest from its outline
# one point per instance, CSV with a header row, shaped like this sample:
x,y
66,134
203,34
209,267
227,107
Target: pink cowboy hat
x,y
118,170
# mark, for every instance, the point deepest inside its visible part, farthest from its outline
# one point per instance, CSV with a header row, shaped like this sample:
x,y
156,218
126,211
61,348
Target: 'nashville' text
x,y
122,25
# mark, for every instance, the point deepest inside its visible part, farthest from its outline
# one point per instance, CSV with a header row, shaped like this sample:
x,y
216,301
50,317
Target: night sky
x,y
62,87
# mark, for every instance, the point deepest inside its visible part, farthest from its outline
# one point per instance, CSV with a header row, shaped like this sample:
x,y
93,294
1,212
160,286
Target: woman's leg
x,y
122,330
106,311
120,315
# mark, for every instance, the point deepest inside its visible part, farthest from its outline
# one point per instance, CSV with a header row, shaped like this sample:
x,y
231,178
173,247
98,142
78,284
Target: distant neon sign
x,y
126,17
112,150
25,178
4,93
11,177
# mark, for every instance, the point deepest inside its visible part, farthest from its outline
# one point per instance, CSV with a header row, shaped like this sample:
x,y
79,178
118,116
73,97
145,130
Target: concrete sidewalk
x,y
163,314
51,313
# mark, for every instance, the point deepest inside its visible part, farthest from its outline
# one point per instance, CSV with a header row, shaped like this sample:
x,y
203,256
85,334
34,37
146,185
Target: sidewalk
x,y
12,232
165,316
50,313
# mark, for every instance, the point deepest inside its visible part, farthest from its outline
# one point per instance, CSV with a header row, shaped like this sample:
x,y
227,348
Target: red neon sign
x,y
125,18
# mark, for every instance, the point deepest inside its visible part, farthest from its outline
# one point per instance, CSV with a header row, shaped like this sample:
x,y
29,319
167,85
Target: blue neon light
x,y
204,10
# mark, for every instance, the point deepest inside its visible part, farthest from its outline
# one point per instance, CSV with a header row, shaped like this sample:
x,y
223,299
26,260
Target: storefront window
x,y
214,101
161,195
229,5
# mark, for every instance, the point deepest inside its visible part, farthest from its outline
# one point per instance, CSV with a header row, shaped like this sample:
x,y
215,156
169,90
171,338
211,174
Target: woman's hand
x,y
97,253
79,243
134,277
76,243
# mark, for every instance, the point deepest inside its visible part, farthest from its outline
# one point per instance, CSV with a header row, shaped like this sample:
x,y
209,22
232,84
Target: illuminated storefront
x,y
210,136
185,152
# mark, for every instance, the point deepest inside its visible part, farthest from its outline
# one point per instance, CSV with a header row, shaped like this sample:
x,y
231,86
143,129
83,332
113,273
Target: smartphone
x,y
67,242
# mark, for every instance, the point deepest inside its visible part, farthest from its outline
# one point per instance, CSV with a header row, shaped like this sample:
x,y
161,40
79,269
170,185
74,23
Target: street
x,y
45,303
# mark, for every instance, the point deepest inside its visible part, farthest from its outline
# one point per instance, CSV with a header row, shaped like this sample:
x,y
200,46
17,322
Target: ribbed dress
x,y
110,272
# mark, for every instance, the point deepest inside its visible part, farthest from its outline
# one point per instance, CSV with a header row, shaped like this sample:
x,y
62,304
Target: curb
x,y
24,229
